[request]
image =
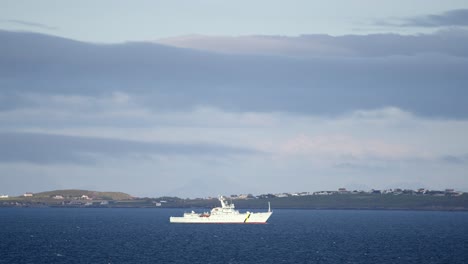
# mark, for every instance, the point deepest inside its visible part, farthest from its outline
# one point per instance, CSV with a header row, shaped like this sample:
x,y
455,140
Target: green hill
x,y
340,201
67,194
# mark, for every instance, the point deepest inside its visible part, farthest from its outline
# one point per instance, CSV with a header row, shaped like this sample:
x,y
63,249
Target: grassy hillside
x,y
363,201
343,201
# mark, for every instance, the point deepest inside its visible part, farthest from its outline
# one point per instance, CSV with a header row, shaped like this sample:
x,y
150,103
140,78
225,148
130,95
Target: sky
x,y
111,21
201,98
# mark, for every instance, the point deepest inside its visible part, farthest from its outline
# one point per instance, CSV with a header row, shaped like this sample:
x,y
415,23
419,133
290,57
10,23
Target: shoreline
x,y
241,208
311,202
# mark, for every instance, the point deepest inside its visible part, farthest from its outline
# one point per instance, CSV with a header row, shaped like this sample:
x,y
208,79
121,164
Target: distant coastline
x,y
448,200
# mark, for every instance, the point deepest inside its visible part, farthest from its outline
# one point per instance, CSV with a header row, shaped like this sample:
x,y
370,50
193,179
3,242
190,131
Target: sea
x,y
138,235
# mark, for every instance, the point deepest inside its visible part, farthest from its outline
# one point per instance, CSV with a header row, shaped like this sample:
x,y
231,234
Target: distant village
x,y
82,200
397,191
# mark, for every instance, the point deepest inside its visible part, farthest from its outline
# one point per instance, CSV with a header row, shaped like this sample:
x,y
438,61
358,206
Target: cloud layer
x,y
457,17
28,24
49,148
172,78
442,42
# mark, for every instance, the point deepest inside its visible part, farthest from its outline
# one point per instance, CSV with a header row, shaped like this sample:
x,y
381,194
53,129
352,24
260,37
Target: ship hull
x,y
247,218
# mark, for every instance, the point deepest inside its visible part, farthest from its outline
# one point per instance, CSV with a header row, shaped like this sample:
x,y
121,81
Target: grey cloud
x,y
457,17
373,45
455,159
358,166
451,18
50,148
28,24
167,78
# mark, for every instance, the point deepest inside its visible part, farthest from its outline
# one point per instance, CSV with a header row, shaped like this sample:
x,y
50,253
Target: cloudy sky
x,y
200,98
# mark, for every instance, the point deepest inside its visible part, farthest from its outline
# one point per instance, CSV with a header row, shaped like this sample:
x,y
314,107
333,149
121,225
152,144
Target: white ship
x,y
226,214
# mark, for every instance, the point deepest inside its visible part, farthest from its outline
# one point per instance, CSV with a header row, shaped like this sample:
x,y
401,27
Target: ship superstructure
x,y
226,214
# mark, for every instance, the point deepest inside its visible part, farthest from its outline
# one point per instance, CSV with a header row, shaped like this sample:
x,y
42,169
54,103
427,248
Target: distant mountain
x,y
91,194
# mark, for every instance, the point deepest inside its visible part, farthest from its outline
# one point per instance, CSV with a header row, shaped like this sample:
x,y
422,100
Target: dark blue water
x,y
292,236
